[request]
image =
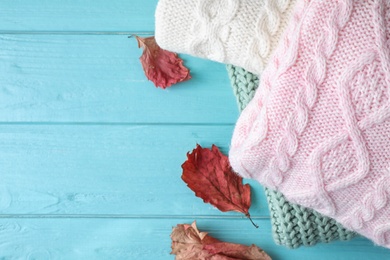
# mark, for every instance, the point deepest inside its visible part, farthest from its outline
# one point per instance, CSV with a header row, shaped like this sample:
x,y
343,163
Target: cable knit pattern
x,y
292,225
374,200
254,119
307,95
267,26
211,27
318,128
238,32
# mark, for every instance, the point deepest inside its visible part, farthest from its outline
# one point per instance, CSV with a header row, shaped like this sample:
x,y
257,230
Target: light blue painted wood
x,y
116,238
105,169
76,16
100,79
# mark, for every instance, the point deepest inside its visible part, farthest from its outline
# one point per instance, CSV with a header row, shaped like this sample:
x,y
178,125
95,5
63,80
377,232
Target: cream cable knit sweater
x,y
239,32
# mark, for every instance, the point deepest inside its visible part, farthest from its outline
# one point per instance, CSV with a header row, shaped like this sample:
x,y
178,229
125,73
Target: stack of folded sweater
x,y
318,126
292,225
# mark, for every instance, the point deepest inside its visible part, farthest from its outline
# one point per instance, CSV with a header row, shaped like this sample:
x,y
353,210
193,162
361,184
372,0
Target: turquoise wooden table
x,y
90,151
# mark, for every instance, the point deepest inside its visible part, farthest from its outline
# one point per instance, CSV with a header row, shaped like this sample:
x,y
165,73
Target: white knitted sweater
x,y
239,32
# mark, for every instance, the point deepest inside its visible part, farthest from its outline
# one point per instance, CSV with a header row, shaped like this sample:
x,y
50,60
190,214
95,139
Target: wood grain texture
x,y
100,79
105,169
115,238
76,16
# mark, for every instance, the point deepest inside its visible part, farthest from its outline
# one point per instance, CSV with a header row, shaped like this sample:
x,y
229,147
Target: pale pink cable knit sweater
x,y
318,129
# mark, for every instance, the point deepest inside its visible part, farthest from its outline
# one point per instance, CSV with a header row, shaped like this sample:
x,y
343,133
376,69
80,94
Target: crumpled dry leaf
x,y
188,243
163,68
208,173
236,251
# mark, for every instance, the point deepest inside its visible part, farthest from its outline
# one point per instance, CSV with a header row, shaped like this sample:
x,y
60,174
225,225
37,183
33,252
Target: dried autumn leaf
x,y
163,68
236,251
208,173
188,243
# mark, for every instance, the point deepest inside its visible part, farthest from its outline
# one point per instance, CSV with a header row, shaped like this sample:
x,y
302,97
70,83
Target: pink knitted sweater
x,y
318,128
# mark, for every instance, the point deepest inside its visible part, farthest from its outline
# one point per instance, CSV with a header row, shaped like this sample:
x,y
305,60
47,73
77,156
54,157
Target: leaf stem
x,y
249,217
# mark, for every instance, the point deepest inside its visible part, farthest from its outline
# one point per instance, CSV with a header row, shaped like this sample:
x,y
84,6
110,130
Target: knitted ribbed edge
x,y
292,225
244,85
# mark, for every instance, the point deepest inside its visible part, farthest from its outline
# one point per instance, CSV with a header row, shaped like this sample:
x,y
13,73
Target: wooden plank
x,y
149,239
100,79
105,169
86,15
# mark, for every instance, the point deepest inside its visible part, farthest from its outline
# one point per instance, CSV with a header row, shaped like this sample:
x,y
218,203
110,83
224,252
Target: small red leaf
x,y
163,68
208,173
188,243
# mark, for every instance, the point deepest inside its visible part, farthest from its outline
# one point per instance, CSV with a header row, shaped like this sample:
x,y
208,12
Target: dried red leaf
x,y
163,68
209,174
190,244
236,251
